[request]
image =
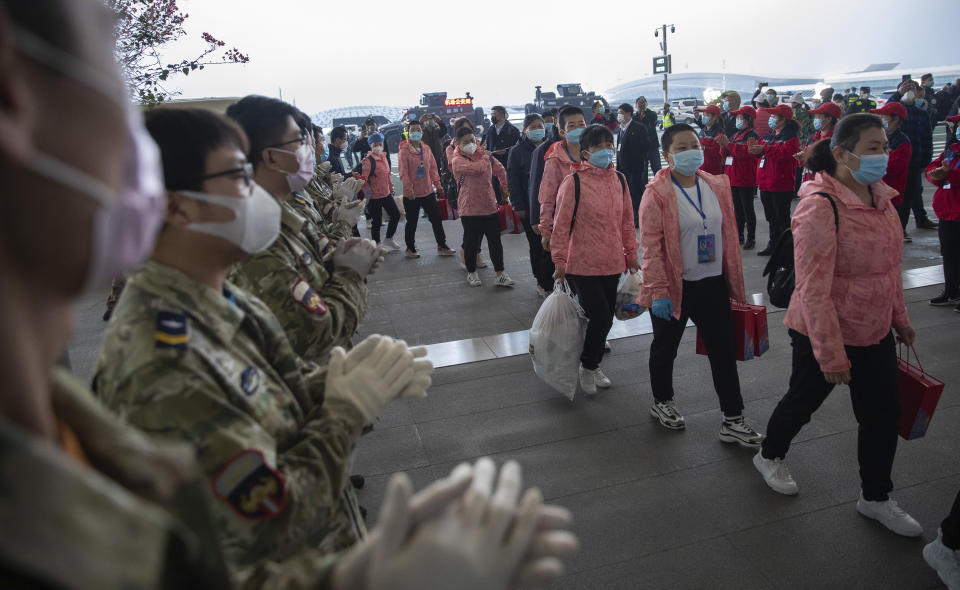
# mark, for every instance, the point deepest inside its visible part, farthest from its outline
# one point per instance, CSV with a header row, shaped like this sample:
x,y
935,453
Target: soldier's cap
x,y
782,110
828,108
710,109
747,111
891,108
864,89
375,138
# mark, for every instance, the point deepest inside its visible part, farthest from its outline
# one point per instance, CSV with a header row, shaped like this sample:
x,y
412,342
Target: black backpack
x,y
576,196
780,267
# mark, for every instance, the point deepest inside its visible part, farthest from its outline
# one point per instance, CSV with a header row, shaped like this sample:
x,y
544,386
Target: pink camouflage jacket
x,y
476,196
660,238
557,165
849,283
603,240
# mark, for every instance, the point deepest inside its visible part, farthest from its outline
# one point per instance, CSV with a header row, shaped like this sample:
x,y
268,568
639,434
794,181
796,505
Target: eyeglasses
x,y
246,170
301,140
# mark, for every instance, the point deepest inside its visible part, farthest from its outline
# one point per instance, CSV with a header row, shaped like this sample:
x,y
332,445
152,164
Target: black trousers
x,y
951,526
541,263
376,211
950,250
707,303
598,296
636,182
913,196
776,210
876,404
743,210
475,227
412,209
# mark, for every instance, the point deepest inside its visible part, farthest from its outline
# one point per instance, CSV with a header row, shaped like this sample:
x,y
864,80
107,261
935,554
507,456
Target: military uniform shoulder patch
x,y
304,294
306,258
250,380
300,200
254,489
171,330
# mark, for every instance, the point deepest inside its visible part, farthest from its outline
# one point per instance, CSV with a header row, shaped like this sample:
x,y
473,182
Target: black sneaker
x,y
766,251
927,224
357,481
749,245
943,300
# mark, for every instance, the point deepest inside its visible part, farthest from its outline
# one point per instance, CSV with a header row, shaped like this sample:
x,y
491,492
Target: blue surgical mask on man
x,y
601,158
688,162
548,127
573,136
416,135
726,105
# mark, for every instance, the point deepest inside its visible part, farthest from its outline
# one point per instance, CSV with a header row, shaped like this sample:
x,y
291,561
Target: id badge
x,y
763,161
421,172
729,161
947,186
706,248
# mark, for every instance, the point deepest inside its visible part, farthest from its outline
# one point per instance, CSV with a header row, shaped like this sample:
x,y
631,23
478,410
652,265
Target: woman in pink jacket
x,y
451,148
594,243
473,168
691,269
848,296
421,184
375,169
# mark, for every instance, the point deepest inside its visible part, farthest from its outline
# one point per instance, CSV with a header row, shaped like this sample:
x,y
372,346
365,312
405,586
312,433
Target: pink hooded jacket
x,y
409,160
379,183
849,283
603,240
476,196
557,165
660,238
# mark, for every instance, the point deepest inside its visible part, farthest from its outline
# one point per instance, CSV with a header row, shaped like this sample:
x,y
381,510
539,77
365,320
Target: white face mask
x,y
257,221
470,148
378,149
909,97
620,119
305,165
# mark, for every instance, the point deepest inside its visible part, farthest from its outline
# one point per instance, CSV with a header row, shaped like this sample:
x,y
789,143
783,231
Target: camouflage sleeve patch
x,y
251,487
304,294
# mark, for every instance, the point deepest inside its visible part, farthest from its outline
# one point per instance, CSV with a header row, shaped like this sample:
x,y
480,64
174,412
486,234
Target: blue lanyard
x,y
692,204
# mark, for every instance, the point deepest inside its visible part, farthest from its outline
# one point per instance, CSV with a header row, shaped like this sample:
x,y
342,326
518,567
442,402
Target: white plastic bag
x,y
556,340
627,307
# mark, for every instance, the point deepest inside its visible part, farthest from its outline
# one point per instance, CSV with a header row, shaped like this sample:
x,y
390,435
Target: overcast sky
x,y
325,54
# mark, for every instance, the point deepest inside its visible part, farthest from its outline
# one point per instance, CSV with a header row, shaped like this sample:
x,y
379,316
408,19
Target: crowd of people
x,y
214,447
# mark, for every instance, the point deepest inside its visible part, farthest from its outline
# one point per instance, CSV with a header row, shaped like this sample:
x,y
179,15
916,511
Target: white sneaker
x,y
944,560
588,381
391,243
776,474
668,415
603,382
473,280
606,346
504,280
890,515
741,432
386,247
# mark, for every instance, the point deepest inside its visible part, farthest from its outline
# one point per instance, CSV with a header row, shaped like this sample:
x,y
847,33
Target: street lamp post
x,y
666,57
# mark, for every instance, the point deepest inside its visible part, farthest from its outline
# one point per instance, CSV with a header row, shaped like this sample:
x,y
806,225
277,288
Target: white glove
x,y
348,189
384,373
335,179
422,369
324,168
480,545
348,212
357,254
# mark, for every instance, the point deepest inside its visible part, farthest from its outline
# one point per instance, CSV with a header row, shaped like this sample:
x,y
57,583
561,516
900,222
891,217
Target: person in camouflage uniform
x,y
319,305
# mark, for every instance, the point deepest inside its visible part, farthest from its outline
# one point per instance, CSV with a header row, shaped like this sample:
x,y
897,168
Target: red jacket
x,y
712,152
475,196
777,169
743,170
409,159
946,201
807,173
379,183
900,153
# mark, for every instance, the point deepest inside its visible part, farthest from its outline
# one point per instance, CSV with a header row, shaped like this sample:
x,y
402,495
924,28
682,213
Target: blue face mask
x,y
573,136
726,105
326,153
536,135
818,124
416,135
548,127
873,167
601,158
741,124
688,162
705,118
957,133
772,122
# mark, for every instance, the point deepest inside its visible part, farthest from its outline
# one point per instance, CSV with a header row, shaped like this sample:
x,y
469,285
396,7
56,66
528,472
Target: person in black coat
x,y
648,117
502,135
632,149
518,179
362,146
338,145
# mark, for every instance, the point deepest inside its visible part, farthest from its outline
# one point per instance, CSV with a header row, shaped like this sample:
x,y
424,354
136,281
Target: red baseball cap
x,y
782,110
746,110
891,108
828,108
710,109
954,119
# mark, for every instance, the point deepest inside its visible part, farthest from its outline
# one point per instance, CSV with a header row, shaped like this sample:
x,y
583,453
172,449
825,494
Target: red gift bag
x,y
919,394
508,219
750,331
446,211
